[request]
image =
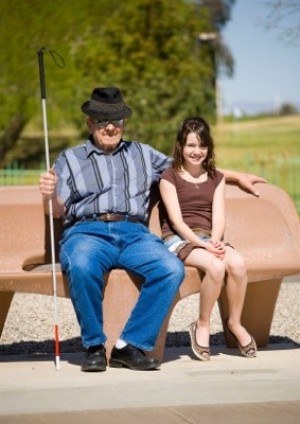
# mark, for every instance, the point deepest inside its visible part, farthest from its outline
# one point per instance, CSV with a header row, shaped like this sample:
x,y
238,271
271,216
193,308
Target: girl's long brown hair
x,y
201,128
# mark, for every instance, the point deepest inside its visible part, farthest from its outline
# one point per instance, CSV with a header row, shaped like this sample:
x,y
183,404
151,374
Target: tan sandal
x,y
201,352
249,350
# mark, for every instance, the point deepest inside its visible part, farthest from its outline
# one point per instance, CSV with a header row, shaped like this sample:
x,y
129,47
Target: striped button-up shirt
x,y
91,181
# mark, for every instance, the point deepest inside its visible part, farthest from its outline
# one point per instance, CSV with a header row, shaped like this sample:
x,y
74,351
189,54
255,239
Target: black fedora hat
x,y
106,103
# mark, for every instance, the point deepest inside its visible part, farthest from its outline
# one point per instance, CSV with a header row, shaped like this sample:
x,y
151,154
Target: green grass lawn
x,y
262,139
269,147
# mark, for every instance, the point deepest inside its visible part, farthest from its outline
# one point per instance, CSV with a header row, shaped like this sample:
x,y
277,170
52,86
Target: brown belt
x,y
109,217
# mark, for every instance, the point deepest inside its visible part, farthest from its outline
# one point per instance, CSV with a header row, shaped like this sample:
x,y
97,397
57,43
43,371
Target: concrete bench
x,y
265,230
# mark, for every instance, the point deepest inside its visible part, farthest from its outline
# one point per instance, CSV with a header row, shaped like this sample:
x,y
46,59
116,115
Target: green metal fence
x,y
283,172
19,176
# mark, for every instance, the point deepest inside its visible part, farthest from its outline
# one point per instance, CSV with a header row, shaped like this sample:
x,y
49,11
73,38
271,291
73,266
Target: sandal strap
x,y
250,348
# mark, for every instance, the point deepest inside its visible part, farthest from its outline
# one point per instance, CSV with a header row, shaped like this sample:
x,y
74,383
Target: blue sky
x,y
267,70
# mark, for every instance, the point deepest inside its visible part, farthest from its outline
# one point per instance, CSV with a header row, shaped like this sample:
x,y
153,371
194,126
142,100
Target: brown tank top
x,y
195,200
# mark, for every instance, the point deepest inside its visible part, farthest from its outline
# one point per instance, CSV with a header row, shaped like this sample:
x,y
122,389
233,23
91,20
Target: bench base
x,y
5,302
257,316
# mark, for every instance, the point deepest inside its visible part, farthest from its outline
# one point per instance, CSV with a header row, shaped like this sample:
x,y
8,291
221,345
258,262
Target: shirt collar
x,y
92,148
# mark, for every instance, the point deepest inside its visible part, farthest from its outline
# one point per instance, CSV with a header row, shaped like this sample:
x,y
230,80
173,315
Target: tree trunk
x,y
10,136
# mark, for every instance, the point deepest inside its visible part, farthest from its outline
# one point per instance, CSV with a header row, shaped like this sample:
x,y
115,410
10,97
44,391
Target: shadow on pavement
x,y
73,345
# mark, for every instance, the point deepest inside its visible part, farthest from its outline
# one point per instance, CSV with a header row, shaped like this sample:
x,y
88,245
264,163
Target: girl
x,y
193,193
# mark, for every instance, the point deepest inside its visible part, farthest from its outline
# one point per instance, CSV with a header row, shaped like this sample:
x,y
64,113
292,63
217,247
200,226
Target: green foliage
x,y
149,48
152,53
287,109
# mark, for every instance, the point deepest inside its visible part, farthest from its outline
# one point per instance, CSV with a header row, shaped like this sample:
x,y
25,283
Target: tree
x,y
152,51
283,17
150,48
287,109
26,26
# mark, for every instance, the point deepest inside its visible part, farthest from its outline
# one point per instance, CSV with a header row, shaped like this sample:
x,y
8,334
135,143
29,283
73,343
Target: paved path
x,y
228,389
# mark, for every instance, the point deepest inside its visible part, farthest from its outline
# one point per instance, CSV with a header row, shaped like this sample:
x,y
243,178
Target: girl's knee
x,y
237,267
217,270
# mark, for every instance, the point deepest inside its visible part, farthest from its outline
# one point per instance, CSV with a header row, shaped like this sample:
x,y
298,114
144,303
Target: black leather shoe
x,y
94,360
133,358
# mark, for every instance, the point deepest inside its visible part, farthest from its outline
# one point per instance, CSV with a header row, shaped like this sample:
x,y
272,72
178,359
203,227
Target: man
x,y
101,188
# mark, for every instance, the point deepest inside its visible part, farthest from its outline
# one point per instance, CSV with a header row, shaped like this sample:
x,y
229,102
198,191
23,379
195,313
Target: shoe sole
x,y
115,363
93,368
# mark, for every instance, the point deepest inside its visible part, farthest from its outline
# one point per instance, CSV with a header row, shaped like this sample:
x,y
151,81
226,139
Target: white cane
x,y
51,223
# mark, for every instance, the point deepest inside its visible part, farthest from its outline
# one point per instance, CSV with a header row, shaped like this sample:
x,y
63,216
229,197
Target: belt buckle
x,y
106,217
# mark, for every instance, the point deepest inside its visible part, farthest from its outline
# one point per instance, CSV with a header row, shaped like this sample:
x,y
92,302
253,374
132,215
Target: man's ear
x,y
89,123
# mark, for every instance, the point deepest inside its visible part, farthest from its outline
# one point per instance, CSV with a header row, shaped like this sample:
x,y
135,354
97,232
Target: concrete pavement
x,y
228,389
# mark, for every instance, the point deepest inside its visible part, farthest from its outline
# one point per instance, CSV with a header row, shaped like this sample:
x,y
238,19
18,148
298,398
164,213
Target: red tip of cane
x,y
56,340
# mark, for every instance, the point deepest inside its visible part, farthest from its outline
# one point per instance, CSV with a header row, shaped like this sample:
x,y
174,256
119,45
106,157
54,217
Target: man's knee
x,y
175,267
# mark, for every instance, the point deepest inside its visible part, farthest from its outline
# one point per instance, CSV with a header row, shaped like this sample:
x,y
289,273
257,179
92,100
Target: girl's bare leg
x,y
211,287
236,292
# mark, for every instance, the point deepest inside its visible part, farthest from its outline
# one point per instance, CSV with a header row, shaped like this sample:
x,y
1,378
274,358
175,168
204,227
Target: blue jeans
x,y
90,249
